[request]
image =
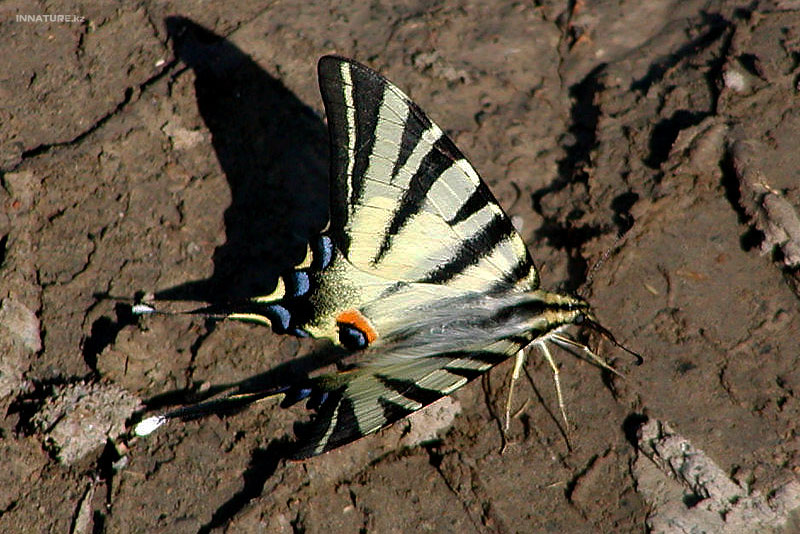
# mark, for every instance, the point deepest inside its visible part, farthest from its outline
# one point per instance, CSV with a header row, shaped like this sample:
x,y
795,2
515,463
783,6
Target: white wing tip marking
x,y
149,425
142,309
432,134
469,171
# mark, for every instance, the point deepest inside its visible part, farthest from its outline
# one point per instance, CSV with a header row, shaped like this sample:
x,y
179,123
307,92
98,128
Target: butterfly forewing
x,y
405,203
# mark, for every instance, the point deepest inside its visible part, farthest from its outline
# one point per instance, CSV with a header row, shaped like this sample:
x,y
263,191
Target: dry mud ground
x,y
179,147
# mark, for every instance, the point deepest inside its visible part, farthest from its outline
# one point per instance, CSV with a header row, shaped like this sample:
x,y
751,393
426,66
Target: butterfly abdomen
x,y
290,307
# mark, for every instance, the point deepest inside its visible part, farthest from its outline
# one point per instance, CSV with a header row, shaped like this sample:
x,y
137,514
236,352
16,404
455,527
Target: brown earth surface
x,y
649,151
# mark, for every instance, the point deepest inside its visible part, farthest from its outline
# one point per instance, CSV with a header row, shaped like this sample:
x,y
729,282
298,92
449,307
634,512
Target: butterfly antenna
x,y
599,263
608,335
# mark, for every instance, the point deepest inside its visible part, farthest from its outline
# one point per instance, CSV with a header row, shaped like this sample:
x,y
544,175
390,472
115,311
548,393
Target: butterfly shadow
x,y
224,400
273,150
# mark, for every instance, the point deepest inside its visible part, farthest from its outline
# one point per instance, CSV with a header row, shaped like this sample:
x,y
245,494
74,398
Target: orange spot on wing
x,y
358,320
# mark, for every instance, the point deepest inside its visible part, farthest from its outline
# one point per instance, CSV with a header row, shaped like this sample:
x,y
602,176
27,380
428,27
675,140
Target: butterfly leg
x,y
519,362
549,357
568,343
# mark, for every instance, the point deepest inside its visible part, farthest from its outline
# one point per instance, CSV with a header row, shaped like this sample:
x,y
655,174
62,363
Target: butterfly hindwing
x,y
392,386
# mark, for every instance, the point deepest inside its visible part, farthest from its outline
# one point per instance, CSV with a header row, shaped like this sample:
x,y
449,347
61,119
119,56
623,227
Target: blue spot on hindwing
x,y
300,283
279,317
299,332
351,337
324,253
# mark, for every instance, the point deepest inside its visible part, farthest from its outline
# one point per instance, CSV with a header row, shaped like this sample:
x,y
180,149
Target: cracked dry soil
x,y
647,150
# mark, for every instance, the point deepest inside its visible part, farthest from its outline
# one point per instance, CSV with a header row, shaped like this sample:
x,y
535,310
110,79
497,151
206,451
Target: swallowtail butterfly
x,y
420,272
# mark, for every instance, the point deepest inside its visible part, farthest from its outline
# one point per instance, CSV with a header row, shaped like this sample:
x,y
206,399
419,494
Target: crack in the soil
x,y
99,123
571,239
72,276
487,399
725,384
364,513
666,131
128,97
435,460
297,524
573,169
630,427
572,484
584,116
103,333
622,205
753,237
264,464
3,249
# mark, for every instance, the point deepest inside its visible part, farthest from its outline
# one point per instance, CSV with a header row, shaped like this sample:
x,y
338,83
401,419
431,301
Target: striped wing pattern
x,y
391,388
408,207
405,203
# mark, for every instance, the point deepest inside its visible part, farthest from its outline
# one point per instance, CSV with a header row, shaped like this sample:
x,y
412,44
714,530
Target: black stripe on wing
x,y
435,162
354,97
334,425
416,124
368,402
367,98
520,271
476,202
333,89
410,390
472,250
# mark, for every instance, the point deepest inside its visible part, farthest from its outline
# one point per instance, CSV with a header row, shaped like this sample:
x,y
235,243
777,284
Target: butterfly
x,y
419,274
